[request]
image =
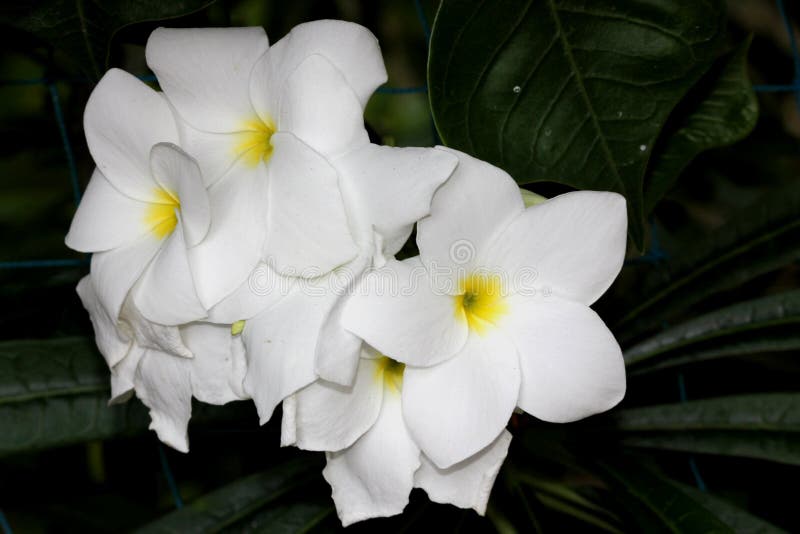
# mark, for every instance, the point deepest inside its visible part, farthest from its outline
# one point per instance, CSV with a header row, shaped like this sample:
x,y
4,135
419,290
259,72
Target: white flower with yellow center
x,y
144,207
166,383
373,460
301,318
494,313
263,123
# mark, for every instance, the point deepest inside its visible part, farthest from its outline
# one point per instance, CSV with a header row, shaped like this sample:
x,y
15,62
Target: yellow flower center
x,y
390,372
480,301
160,215
253,143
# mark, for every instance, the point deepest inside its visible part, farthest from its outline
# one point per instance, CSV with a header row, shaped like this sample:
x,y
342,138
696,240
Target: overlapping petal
x,y
205,73
456,408
467,212
105,219
468,483
396,310
374,476
124,118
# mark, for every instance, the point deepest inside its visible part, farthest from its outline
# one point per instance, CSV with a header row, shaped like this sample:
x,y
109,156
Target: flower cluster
x,y
243,232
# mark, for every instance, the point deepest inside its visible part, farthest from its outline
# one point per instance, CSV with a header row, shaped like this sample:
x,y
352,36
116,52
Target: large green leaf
x,y
240,500
55,392
726,113
83,29
655,503
568,91
745,316
761,238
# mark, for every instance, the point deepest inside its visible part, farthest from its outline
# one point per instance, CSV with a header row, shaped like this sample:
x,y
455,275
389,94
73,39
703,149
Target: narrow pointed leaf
x,y
747,316
759,239
240,500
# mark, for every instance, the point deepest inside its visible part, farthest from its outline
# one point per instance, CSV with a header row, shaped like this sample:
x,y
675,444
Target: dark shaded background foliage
x,y
707,438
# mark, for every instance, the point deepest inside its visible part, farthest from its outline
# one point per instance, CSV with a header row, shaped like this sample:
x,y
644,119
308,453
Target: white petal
x,y
152,335
351,48
232,248
215,152
123,375
113,343
166,294
205,73
476,202
218,366
308,232
124,118
330,417
262,289
571,364
396,310
280,345
178,173
573,244
468,483
163,383
105,218
374,477
338,350
393,186
114,272
318,106
458,407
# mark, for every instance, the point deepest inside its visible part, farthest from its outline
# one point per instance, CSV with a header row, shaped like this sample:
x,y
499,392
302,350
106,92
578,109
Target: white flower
x,y
165,383
261,121
373,461
480,330
145,205
294,333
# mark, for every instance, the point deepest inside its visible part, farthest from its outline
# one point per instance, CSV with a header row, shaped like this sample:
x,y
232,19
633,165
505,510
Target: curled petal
x,y
374,476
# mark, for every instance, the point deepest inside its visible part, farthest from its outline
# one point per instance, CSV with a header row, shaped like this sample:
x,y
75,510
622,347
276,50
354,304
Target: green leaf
x,y
763,426
292,518
84,29
568,91
724,115
771,447
778,412
55,392
656,503
242,499
733,516
746,316
761,238
762,343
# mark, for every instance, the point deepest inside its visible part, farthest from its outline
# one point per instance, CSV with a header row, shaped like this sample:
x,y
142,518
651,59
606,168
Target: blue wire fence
x,y
654,255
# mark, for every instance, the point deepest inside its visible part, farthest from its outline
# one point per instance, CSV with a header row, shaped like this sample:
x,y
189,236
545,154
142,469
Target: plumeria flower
x,y
263,122
494,313
373,460
164,382
144,207
293,332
